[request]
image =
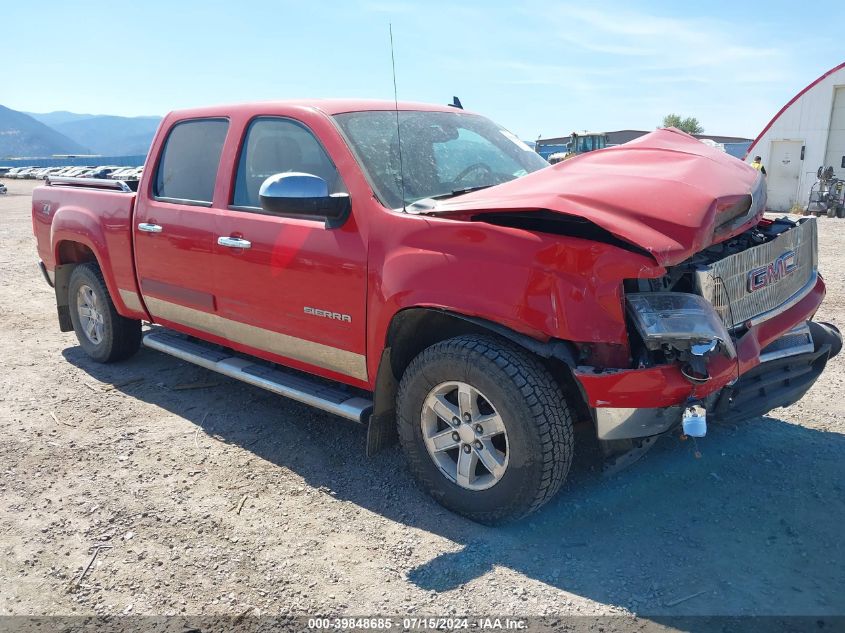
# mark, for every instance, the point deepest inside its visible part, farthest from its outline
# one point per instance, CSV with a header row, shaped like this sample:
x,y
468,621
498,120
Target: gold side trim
x,y
325,356
130,298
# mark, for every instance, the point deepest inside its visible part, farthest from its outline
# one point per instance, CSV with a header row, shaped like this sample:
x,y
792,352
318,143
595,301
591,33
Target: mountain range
x,y
22,135
30,134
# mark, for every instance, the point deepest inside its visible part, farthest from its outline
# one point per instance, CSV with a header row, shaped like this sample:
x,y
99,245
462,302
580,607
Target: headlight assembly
x,y
685,322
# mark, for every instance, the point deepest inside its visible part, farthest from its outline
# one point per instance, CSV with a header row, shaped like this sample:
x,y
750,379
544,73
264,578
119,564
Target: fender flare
x,y
381,430
78,225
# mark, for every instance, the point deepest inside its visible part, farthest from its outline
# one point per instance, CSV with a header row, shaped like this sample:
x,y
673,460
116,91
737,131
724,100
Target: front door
x,y
174,228
784,174
289,287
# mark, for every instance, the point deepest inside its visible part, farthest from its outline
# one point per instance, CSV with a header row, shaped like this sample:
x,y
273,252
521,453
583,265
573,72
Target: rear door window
x,y
187,170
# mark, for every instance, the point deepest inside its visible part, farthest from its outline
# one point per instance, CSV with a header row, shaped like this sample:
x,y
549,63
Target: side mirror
x,y
303,195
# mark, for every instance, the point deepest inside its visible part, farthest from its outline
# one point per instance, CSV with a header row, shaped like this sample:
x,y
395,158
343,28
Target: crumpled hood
x,y
665,192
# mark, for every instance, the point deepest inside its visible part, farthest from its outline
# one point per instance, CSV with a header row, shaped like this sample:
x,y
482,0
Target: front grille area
x,y
725,283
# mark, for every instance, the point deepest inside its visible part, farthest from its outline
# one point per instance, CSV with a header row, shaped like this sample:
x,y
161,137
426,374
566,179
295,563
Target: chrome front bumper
x,y
788,368
623,423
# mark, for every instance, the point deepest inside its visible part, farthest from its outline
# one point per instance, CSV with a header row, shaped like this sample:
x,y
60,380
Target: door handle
x,y
149,228
234,242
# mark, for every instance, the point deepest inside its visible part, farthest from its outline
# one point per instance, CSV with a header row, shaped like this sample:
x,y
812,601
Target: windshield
x,y
443,153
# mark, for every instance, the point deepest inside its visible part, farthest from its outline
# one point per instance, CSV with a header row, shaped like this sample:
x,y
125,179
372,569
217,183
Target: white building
x,y
807,133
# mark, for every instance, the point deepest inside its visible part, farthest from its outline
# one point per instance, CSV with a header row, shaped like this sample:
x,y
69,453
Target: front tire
x,y
102,333
486,430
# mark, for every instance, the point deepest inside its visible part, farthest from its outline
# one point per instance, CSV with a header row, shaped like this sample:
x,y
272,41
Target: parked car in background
x,y
102,172
122,173
49,172
116,172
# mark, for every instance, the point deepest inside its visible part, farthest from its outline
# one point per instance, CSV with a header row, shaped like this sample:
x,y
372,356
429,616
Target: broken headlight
x,y
681,321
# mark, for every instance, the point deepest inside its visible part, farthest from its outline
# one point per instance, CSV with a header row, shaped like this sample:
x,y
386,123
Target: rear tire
x,y
102,333
521,421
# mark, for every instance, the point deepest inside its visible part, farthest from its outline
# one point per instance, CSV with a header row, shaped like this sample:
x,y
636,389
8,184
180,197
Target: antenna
x,y
396,105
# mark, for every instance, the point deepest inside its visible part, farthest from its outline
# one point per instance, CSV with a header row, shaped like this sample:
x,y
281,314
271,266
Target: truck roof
x,y
327,106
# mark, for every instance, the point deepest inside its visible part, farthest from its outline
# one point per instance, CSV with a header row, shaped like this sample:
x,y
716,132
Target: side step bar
x,y
313,392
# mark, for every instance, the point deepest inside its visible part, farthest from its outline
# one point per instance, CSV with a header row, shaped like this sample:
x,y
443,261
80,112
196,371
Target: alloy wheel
x,y
465,435
90,314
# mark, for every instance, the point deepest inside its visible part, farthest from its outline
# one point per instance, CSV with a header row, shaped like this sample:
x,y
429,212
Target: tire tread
x,y
550,414
126,333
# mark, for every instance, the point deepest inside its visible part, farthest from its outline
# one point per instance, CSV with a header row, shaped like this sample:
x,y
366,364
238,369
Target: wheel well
x,y
414,329
69,255
69,252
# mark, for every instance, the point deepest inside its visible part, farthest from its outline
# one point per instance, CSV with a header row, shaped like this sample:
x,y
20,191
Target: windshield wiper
x,y
427,204
459,192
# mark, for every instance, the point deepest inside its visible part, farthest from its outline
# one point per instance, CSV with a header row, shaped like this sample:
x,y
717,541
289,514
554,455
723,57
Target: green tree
x,y
690,124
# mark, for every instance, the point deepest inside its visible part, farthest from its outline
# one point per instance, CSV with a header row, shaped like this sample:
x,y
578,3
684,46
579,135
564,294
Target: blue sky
x,y
535,67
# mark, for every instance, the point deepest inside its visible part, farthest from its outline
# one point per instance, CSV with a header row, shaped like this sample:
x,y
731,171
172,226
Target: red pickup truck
x,y
420,270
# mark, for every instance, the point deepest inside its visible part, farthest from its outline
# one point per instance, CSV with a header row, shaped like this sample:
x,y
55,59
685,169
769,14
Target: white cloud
x,y
647,43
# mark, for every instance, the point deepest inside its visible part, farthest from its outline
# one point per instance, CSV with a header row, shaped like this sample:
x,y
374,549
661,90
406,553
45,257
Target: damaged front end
x,y
680,327
727,333
725,311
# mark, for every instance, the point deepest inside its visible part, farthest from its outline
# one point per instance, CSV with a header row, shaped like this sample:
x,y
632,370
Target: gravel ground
x,y
220,498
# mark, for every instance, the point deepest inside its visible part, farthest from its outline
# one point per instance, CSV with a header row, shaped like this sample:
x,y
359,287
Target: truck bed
x,y
97,214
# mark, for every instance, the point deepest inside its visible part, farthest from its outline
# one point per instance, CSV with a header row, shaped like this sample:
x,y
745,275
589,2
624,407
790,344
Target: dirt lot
x,y
221,497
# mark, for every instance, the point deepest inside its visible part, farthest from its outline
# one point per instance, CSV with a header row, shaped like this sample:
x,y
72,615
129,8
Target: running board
x,y
313,392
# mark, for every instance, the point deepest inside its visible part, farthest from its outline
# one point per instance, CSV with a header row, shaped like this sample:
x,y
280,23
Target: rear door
x,y
289,288
174,228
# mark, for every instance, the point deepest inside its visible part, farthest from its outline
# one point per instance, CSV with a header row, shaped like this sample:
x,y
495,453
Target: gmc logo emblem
x,y
774,272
